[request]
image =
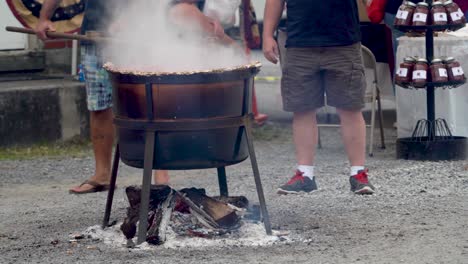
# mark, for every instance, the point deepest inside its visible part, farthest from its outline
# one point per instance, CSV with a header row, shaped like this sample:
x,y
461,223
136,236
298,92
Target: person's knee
x,y
305,118
349,114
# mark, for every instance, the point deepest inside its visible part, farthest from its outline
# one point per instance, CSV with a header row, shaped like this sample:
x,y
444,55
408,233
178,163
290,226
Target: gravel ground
x,y
419,214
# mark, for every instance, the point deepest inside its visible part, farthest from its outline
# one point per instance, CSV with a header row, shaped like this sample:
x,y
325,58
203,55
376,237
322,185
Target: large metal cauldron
x,y
145,99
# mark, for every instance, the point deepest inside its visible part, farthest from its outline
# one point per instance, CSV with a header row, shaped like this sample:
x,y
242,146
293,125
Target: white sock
x,y
355,170
308,171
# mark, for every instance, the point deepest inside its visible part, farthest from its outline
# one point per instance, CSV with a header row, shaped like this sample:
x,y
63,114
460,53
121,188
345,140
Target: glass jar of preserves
x,y
404,16
420,73
438,71
439,14
454,70
455,15
420,14
404,73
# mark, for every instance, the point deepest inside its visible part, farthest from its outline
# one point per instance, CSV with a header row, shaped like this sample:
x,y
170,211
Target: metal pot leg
x,y
223,187
110,194
146,186
258,182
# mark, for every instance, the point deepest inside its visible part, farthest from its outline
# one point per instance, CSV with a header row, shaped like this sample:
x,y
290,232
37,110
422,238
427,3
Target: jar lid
x,y
437,3
448,2
423,4
409,59
449,59
410,4
436,61
422,60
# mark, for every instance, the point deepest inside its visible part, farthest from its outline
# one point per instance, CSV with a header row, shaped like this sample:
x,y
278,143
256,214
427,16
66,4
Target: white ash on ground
x,y
194,220
250,234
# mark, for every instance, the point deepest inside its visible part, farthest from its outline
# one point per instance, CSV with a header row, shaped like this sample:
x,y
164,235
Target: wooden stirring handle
x,y
58,35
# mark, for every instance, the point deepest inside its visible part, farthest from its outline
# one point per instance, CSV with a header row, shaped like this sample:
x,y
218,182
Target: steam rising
x,y
149,40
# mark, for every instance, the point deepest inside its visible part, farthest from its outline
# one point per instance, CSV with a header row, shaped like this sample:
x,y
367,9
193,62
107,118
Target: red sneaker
x,y
360,183
298,183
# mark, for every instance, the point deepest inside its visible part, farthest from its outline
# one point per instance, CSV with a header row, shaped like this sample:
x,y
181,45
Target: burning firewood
x,y
237,201
189,211
158,195
157,228
223,215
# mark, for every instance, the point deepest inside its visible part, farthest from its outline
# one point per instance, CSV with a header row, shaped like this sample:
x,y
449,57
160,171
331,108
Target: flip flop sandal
x,y
97,187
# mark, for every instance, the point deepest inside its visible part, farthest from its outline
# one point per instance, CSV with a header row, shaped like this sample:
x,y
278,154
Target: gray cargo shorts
x,y
311,73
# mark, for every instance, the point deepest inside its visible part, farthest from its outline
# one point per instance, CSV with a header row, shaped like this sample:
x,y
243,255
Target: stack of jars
x,y
417,72
421,14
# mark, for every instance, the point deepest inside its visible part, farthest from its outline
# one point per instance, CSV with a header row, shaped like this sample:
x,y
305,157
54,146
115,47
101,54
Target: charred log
x,y
237,201
160,220
223,214
158,195
189,210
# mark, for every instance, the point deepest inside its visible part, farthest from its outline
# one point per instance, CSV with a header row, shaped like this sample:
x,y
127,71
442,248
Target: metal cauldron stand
x,y
151,128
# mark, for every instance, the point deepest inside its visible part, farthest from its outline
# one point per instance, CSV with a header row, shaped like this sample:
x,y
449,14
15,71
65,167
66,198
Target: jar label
x,y
456,15
401,14
440,17
402,72
420,17
443,72
419,75
457,71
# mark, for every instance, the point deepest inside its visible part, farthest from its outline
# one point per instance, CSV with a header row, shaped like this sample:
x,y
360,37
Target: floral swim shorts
x,y
98,84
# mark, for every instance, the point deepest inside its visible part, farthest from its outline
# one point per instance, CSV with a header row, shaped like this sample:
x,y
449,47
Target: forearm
x,y
48,9
189,16
272,16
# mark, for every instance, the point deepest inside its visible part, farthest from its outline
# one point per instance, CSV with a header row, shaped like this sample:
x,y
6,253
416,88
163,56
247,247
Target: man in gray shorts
x,y
323,56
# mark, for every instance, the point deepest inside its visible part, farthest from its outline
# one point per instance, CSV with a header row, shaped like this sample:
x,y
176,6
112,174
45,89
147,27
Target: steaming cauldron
x,y
182,108
183,121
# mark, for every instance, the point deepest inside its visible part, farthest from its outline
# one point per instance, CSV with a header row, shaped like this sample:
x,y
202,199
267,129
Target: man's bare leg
x,y
305,136
353,129
102,138
161,177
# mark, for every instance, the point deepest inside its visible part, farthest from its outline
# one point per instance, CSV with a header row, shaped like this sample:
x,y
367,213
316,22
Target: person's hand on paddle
x,y
218,29
42,27
218,32
270,49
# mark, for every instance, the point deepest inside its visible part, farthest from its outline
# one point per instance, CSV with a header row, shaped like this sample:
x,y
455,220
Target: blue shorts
x,y
98,84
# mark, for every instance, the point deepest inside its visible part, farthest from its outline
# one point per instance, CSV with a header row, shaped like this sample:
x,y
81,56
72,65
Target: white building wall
x,y
9,40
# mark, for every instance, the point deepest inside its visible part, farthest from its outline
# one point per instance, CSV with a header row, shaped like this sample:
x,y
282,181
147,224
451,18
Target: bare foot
x,y
260,119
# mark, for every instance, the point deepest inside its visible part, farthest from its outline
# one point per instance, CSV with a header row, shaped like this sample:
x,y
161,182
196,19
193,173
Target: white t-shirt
x,y
223,10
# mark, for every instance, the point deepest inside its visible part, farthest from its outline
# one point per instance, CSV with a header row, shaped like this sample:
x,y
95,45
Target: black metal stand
x,y
222,181
110,194
152,127
430,96
432,144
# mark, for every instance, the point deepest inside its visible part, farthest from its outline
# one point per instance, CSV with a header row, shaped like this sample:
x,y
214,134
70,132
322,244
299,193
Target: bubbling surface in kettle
x,y
142,71
150,42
